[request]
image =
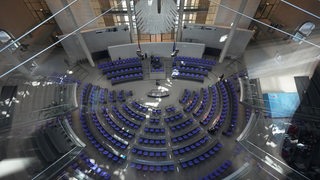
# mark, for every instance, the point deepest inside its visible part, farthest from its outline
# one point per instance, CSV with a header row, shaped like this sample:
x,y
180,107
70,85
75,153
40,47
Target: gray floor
x,y
175,88
87,74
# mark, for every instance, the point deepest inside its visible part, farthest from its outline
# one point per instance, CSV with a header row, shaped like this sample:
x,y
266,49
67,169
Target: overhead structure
x,y
155,17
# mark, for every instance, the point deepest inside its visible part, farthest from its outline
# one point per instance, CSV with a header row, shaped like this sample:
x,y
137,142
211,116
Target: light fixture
x,y
223,38
139,53
69,72
175,53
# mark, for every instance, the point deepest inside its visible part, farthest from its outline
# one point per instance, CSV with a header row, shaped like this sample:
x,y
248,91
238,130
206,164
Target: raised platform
x,y
156,93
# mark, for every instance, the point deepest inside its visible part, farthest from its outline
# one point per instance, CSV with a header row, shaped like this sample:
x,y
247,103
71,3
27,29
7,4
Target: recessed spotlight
x,y
223,38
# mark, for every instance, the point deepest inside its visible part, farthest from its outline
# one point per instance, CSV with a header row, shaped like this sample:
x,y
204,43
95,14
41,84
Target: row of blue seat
x,y
212,110
114,126
107,69
192,147
117,62
206,155
93,140
186,136
149,153
204,102
102,98
234,107
126,78
124,119
185,96
119,72
225,107
154,120
143,140
182,125
121,96
156,111
193,103
94,167
157,70
197,60
133,114
108,136
216,173
112,96
152,168
85,94
92,96
139,107
173,118
189,76
170,109
187,69
154,130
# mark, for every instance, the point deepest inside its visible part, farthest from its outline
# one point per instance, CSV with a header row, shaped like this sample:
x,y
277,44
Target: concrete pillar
x,y
78,35
130,20
179,30
232,31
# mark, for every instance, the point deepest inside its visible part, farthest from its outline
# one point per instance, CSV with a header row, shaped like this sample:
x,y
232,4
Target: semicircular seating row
x,y
124,119
130,69
190,68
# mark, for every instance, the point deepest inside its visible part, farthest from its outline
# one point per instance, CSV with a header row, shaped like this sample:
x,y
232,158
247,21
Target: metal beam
x,y
179,30
130,19
232,31
79,35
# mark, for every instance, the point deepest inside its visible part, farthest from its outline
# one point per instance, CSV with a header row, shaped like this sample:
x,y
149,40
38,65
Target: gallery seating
x,y
185,97
191,147
133,114
187,69
186,136
121,130
153,166
152,141
125,71
191,161
204,102
125,120
94,167
193,103
116,141
126,78
153,130
112,155
181,125
234,108
150,152
156,112
208,117
154,120
189,76
173,118
217,172
139,107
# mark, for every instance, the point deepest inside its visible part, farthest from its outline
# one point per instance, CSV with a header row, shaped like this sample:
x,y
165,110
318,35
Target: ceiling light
x,y
223,38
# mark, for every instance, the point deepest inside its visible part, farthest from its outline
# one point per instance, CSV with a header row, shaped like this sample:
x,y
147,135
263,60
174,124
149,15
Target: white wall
x,y
81,11
163,49
275,84
96,40
277,58
210,36
225,17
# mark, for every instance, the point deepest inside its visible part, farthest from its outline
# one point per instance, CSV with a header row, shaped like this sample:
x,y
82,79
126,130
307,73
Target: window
x,y
7,38
303,31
